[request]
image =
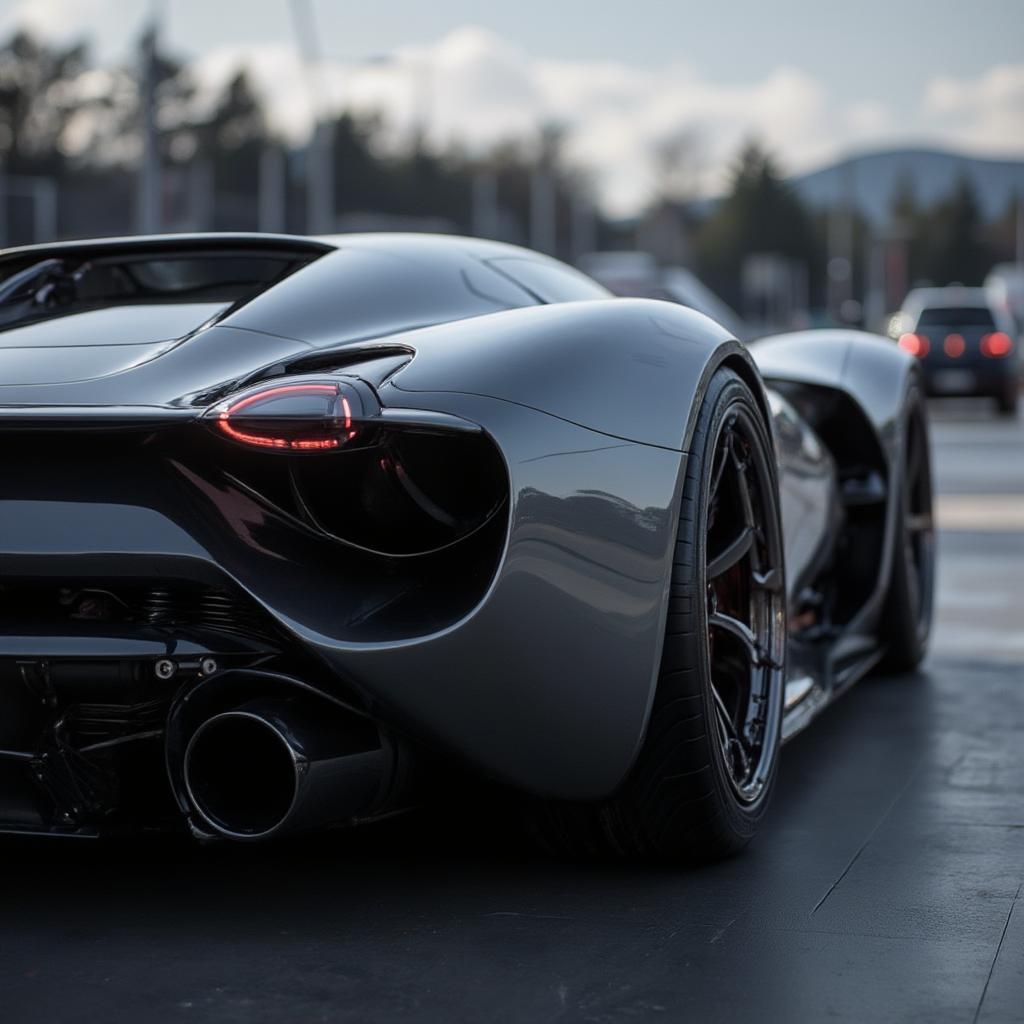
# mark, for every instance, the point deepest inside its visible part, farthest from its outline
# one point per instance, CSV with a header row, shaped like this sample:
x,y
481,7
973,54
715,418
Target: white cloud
x,y
475,88
51,19
984,113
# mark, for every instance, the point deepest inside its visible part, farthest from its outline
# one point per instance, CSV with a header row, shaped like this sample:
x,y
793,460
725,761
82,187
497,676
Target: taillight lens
x,y
303,416
915,344
996,345
954,346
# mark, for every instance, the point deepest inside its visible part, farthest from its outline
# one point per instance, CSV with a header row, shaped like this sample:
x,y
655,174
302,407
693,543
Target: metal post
x,y
320,180
320,148
3,206
202,189
543,232
149,185
582,228
486,219
1020,227
840,243
44,219
272,190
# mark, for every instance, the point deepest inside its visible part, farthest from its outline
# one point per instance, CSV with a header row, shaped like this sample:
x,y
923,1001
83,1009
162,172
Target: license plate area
x,y
954,381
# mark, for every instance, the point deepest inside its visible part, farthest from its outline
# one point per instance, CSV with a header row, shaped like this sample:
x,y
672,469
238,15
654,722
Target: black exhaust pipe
x,y
278,765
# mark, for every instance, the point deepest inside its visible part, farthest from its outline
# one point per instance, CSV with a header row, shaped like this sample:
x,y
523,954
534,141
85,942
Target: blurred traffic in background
x,y
622,171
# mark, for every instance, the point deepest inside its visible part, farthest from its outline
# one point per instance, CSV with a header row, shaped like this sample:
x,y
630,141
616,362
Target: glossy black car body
x,y
478,573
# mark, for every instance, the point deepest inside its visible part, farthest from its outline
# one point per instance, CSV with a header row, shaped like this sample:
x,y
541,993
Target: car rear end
x,y
965,348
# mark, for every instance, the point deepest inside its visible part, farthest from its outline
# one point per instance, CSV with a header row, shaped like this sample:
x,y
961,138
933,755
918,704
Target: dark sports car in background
x,y
287,523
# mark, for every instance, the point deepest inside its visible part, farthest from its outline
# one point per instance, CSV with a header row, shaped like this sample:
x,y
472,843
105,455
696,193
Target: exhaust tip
x,y
241,775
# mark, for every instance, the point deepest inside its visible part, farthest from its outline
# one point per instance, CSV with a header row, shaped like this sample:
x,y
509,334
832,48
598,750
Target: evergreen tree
x,y
233,139
954,249
36,103
758,215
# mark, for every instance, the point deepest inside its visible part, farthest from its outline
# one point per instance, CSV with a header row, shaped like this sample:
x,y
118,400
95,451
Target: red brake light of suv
x,y
996,345
916,344
954,345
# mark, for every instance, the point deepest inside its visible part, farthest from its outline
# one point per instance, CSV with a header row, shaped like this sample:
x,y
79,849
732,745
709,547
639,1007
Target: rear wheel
x,y
908,611
1006,400
707,765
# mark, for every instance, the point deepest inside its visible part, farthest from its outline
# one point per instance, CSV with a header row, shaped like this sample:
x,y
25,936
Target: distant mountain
x,y
873,179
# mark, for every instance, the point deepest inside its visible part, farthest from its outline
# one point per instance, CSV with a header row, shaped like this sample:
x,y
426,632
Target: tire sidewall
x,y
731,393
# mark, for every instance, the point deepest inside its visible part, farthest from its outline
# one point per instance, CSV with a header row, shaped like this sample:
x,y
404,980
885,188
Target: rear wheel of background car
x,y
907,619
707,765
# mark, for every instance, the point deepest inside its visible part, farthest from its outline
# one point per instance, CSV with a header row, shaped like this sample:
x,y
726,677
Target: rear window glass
x,y
34,289
550,282
956,316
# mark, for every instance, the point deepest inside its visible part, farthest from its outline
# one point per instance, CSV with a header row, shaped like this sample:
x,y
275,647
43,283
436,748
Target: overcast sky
x,y
814,78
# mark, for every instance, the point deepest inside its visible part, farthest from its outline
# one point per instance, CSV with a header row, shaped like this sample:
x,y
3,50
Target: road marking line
x,y
997,512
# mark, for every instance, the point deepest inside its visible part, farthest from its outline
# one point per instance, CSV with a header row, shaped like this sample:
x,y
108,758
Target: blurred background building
x,y
155,142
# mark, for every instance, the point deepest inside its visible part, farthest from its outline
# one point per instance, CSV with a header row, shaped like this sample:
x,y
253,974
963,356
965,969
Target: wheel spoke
x,y
743,487
723,713
770,580
733,553
721,461
914,457
740,630
731,738
919,522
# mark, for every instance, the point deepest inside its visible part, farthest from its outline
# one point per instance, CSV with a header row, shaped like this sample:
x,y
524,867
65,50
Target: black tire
x,y
907,618
1006,400
682,801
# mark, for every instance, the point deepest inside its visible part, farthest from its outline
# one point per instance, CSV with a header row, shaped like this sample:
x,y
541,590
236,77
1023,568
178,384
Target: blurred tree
x,y
37,102
362,178
230,142
952,240
678,166
105,129
666,226
904,228
1001,235
759,214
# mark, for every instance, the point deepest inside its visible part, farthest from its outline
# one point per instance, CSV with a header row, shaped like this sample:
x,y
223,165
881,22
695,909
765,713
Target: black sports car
x,y
287,523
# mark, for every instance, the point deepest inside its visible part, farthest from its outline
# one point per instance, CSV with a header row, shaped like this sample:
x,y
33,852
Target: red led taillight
x,y
915,344
315,416
954,346
996,345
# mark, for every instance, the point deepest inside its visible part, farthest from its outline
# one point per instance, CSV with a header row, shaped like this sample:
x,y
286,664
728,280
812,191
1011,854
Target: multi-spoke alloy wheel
x,y
745,604
707,765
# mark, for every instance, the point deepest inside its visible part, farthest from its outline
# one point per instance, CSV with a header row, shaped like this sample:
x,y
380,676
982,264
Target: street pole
x,y
148,191
319,163
582,233
542,209
272,187
44,220
3,205
485,216
1020,228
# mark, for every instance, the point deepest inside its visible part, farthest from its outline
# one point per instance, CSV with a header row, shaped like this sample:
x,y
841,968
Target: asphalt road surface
x,y
887,885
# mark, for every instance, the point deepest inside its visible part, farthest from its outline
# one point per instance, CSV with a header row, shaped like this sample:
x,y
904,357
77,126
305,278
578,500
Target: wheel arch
x,y
852,387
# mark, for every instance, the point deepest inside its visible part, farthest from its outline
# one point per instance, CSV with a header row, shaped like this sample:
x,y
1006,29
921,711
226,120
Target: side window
x,y
550,282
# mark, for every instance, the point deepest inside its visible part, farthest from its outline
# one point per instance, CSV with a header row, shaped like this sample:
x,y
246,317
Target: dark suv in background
x,y
966,345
